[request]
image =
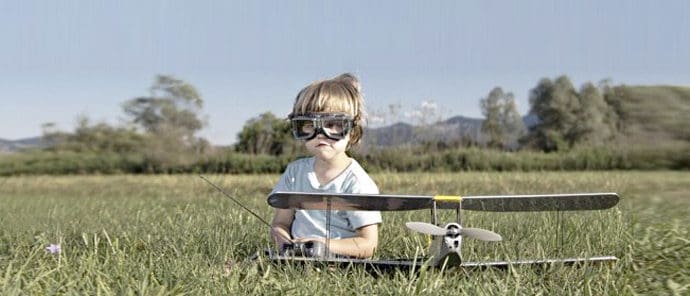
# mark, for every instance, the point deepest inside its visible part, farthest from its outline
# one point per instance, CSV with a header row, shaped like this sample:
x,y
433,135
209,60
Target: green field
x,y
150,235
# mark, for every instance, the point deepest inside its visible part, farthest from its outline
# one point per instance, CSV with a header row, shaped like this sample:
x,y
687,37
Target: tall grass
x,y
148,235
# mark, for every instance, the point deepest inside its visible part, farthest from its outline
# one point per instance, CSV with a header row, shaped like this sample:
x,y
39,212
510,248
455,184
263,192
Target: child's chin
x,y
323,153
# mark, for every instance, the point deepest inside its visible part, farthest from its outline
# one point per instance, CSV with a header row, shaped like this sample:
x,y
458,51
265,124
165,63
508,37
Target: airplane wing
x,y
496,203
347,201
546,202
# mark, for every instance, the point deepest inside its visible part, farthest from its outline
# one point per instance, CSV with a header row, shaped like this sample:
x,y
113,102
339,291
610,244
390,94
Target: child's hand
x,y
307,247
281,236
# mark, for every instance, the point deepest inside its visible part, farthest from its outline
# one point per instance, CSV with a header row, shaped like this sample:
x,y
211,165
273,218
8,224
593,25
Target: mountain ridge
x,y
10,146
454,129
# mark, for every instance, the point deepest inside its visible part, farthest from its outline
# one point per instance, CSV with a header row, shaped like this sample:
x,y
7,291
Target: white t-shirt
x,y
300,177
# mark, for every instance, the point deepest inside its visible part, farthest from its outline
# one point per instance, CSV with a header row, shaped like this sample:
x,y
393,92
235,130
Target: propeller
x,y
476,233
481,234
426,228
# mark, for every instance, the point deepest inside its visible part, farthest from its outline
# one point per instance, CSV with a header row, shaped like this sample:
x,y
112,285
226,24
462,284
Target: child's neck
x,y
328,169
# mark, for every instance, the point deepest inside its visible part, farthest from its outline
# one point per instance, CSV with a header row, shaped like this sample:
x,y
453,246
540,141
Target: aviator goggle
x,y
333,126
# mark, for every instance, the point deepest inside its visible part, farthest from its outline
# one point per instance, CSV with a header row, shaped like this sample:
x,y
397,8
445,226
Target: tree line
x,y
566,119
161,128
585,128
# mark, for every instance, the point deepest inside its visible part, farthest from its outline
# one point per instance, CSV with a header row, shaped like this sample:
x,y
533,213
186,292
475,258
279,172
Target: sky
x,y
64,59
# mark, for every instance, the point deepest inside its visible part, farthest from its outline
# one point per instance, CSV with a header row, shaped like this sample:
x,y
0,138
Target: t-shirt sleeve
x,y
360,219
285,181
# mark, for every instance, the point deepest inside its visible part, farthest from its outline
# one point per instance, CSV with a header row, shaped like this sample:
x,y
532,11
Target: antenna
x,y
235,200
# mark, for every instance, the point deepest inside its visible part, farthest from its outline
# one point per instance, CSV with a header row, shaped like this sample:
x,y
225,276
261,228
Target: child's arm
x,y
280,226
362,245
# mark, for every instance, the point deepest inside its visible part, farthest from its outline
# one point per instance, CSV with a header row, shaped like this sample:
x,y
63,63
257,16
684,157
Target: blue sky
x,y
61,59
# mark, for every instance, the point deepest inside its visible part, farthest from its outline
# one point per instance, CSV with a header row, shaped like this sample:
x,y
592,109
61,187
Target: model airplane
x,y
446,245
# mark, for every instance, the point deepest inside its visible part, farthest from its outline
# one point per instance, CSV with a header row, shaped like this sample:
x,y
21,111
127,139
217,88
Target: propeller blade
x,y
481,234
426,228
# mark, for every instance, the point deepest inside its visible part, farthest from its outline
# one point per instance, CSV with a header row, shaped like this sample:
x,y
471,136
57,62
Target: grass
x,y
170,235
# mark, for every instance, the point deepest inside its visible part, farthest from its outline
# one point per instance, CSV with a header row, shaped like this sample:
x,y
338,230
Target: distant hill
x,y
454,129
403,133
10,146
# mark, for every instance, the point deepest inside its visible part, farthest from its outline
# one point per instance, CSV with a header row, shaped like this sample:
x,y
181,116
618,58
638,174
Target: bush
x,y
405,159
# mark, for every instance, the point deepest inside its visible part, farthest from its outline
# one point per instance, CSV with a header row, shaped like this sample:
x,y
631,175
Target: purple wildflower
x,y
53,248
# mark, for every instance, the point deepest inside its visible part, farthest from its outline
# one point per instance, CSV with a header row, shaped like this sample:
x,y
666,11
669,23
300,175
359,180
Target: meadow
x,y
172,234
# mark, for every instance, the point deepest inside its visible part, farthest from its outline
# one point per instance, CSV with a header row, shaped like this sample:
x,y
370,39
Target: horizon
x,y
62,60
382,126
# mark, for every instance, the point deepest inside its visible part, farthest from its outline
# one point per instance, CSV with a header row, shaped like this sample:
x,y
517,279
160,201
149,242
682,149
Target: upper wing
x,y
348,202
497,203
546,202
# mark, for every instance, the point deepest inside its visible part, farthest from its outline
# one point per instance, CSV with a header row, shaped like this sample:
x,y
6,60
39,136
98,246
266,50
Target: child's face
x,y
327,149
326,135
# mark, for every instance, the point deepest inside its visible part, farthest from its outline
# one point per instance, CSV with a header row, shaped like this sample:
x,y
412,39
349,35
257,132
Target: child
x,y
328,116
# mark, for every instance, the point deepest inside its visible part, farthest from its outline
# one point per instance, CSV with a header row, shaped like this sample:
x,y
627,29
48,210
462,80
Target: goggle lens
x,y
335,127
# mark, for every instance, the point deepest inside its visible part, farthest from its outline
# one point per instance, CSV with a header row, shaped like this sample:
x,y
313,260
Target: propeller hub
x,y
453,230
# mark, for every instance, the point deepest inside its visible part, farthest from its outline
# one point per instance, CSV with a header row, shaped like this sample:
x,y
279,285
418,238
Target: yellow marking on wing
x,y
448,198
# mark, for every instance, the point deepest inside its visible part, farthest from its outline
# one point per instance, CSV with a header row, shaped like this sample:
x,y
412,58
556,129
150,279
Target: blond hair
x,y
337,95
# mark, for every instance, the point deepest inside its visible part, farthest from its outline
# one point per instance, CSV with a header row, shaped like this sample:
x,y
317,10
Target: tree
x,y
427,113
513,123
503,124
492,124
616,114
555,104
170,117
266,134
172,106
595,125
568,118
425,116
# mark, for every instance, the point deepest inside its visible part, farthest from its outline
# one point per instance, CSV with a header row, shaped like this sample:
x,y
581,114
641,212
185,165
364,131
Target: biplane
x,y
445,249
